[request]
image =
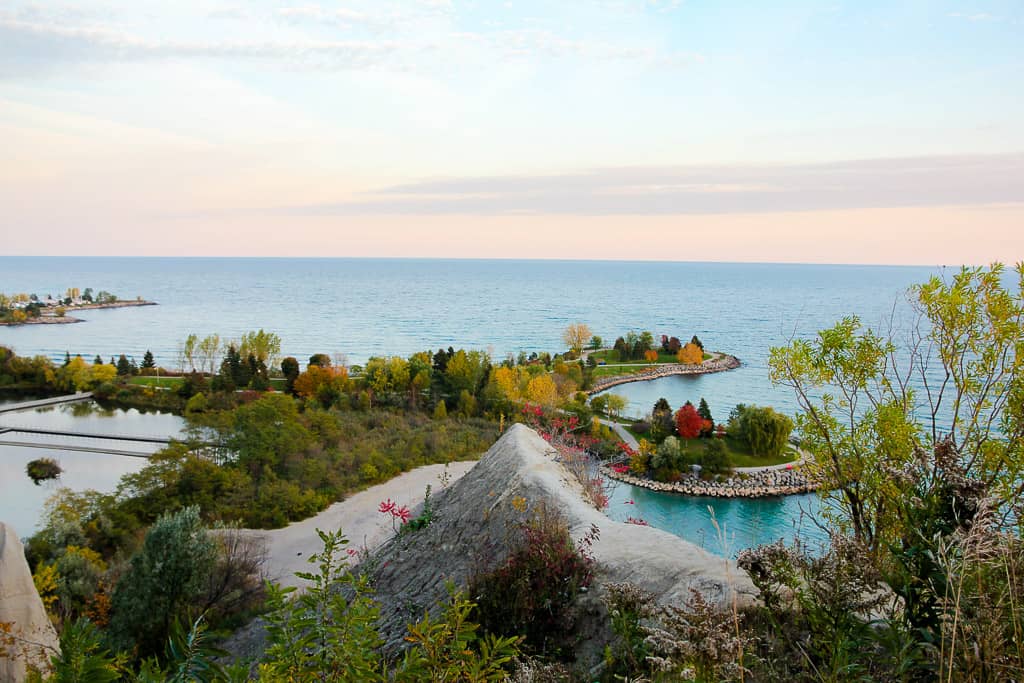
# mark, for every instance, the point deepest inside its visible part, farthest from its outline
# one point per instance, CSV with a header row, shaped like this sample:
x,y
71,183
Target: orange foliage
x,y
651,355
309,382
690,354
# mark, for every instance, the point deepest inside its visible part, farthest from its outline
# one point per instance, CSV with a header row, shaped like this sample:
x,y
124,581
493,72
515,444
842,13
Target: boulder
x,y
32,638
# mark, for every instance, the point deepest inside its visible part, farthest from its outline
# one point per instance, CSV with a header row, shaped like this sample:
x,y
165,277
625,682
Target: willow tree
x,y
871,403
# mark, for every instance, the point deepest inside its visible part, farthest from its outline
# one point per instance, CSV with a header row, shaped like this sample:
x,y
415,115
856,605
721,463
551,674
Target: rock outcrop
x,y
32,638
474,519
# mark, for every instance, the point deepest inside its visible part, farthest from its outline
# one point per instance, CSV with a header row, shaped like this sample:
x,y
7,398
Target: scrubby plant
x,y
43,469
534,591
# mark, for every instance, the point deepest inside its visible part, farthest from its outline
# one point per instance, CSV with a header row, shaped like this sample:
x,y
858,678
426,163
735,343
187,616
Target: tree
x,y
696,342
861,417
98,360
147,360
690,355
187,353
541,389
290,370
163,579
575,337
705,414
674,345
765,431
615,404
124,368
209,353
320,360
265,346
688,421
651,356
596,342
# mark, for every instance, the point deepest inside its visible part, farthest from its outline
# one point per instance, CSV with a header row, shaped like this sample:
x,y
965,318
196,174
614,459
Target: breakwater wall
x,y
721,363
760,484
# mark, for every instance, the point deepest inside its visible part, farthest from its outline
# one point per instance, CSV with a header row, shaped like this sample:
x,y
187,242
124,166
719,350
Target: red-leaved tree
x,y
688,421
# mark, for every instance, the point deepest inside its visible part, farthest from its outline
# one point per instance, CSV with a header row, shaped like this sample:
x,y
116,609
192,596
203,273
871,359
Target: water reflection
x,y
21,502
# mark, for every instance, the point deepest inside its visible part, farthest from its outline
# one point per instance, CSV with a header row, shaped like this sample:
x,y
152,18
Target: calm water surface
x,y
364,307
21,501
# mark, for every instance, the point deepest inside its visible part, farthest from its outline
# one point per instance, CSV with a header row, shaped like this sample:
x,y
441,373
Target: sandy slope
x,y
358,516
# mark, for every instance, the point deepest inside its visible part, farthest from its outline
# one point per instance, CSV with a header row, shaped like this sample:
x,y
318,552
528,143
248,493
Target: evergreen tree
x,y
112,362
697,342
290,370
67,358
124,368
98,360
147,360
704,410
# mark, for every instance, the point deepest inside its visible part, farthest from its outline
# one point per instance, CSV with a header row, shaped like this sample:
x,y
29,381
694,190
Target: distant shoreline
x,y
48,317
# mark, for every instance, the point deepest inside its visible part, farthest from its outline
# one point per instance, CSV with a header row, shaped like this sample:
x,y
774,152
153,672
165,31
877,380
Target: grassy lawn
x,y
165,382
276,383
739,454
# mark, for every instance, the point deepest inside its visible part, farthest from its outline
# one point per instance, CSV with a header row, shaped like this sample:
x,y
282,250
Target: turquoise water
x,y
741,523
364,307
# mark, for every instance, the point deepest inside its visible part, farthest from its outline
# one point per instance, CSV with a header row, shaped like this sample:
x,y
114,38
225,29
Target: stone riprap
x,y
721,363
762,484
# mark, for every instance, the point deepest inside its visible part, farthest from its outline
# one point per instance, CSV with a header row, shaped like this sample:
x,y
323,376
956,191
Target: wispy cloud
x,y
973,16
25,43
877,183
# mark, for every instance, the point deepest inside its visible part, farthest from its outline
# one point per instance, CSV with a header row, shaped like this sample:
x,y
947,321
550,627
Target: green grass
x,y
277,383
165,382
739,454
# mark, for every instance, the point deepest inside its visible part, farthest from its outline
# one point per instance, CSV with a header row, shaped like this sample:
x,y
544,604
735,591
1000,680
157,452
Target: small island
x,y
31,309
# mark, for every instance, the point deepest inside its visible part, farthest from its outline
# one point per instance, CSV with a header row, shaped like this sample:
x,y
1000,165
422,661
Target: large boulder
x,y
477,514
31,639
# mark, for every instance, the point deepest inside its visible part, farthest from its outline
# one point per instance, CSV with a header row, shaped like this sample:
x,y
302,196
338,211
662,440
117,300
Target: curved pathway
x,y
288,549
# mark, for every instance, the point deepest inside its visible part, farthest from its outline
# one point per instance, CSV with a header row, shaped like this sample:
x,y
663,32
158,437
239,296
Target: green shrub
x,y
533,593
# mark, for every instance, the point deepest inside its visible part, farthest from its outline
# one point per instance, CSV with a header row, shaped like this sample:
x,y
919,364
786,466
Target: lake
x,y
364,307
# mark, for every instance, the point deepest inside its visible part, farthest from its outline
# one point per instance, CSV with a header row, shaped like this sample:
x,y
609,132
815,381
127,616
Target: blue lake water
x,y
364,307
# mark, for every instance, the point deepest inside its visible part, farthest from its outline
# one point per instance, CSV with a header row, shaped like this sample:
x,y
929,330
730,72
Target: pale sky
x,y
838,132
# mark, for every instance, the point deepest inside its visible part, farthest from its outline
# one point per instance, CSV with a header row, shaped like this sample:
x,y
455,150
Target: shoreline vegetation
x,y
921,578
30,309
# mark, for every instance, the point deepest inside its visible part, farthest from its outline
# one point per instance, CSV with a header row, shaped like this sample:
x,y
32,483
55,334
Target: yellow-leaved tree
x,y
690,354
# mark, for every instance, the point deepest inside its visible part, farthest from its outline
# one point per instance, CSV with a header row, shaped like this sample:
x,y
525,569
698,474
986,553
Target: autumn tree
x,y
575,337
688,421
541,389
871,401
690,355
265,346
651,356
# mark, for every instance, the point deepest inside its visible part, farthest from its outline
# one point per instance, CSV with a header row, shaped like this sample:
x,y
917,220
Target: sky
x,y
830,132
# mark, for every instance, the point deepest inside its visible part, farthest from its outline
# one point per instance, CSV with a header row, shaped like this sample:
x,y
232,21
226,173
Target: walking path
x,y
288,549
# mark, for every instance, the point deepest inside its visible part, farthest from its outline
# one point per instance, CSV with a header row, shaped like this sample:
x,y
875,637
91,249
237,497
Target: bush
x,y
534,592
715,458
164,579
43,469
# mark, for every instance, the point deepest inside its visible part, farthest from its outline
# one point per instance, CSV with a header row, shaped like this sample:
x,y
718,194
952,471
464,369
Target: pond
x,y
21,502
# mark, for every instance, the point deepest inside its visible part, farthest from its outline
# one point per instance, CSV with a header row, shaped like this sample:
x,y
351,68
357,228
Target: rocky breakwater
x,y
26,635
720,363
760,484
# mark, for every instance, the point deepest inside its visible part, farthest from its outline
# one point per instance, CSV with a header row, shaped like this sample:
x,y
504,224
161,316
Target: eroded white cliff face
x,y
35,639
